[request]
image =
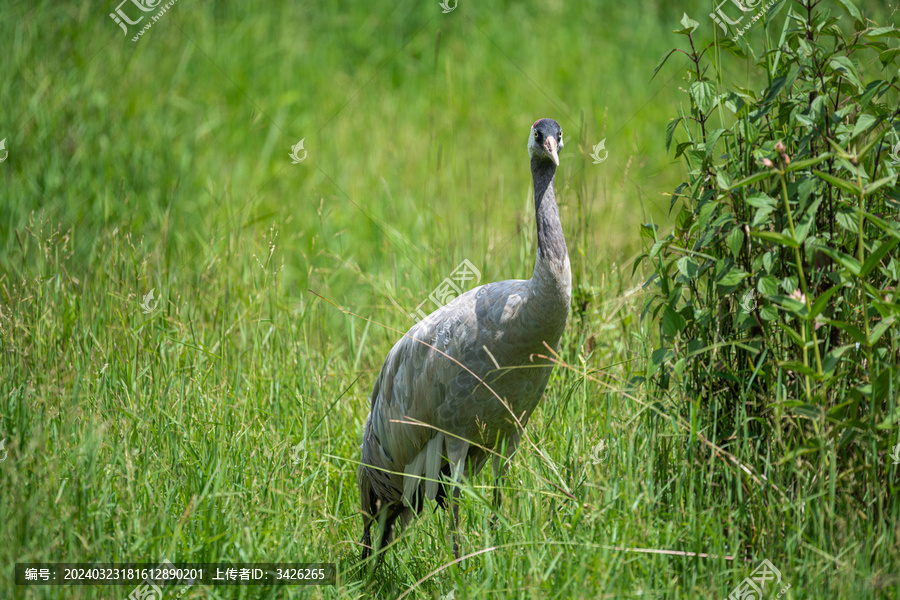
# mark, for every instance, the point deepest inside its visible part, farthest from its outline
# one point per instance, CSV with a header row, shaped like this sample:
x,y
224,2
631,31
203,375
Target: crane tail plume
x,y
433,452
457,450
412,480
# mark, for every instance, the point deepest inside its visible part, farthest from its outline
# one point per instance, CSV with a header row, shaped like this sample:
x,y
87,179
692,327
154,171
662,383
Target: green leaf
x,y
857,335
751,179
776,7
840,183
648,231
847,261
803,370
891,420
851,8
890,179
864,151
875,257
682,148
791,305
660,64
805,223
805,120
845,66
767,285
729,46
790,456
761,200
847,220
887,57
711,140
657,246
864,122
656,358
684,218
732,277
806,185
735,240
775,88
885,32
637,262
670,131
822,301
838,414
723,180
893,269
672,323
832,359
703,93
879,329
762,216
793,335
768,313
776,238
808,162
687,266
688,25
883,225
706,212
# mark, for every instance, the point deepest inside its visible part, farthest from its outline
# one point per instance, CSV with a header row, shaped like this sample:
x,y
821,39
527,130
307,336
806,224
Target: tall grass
x,y
163,165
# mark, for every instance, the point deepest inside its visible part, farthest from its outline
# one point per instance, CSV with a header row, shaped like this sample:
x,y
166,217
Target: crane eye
x,y
537,135
560,136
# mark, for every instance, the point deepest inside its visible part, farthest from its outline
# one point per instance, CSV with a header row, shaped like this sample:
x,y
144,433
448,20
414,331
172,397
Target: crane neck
x,y
551,268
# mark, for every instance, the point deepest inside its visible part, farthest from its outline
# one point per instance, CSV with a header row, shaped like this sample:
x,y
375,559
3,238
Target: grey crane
x,y
436,411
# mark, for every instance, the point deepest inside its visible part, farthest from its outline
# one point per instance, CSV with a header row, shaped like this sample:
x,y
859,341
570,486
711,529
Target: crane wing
x,y
425,407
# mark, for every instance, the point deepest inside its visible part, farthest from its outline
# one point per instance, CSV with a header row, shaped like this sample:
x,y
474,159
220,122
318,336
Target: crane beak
x,y
550,148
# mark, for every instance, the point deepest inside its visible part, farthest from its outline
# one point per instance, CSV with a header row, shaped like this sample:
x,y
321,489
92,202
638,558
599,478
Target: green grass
x,y
163,165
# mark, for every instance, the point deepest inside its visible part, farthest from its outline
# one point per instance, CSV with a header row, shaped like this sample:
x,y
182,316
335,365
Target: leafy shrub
x,y
776,291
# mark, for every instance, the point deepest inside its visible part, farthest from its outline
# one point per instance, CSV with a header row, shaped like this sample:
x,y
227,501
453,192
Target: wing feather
x,y
422,382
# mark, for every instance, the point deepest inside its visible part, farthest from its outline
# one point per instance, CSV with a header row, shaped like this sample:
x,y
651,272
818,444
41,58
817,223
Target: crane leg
x,y
499,477
369,514
457,453
500,465
392,512
366,541
454,509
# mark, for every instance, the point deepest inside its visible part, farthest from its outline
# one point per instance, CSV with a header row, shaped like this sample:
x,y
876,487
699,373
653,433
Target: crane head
x,y
546,140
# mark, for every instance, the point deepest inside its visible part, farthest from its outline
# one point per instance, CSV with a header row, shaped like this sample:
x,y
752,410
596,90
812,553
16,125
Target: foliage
x,y
776,291
221,420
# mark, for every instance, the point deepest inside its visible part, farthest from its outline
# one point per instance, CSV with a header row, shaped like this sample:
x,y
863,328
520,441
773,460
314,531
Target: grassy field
x,y
220,419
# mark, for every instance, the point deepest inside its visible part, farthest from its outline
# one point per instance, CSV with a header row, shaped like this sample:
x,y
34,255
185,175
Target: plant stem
x,y
797,259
